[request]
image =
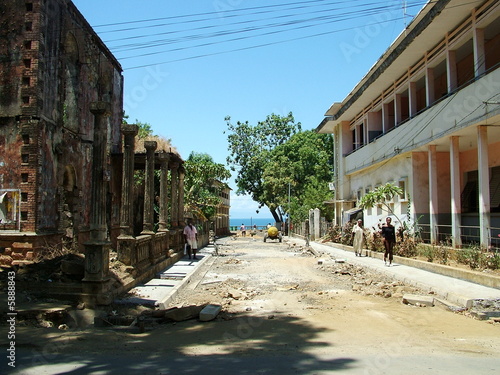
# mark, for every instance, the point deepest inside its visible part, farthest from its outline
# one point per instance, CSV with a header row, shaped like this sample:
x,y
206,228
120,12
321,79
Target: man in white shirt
x,y
191,238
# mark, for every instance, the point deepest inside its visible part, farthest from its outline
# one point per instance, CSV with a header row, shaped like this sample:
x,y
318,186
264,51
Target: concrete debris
x,y
209,312
420,301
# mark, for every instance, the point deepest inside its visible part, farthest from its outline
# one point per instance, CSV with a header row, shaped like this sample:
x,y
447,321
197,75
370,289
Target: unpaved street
x,y
283,313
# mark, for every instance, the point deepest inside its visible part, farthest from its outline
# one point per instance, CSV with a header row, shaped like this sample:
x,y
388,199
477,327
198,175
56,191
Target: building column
x,y
456,204
180,195
126,211
484,186
397,109
149,188
126,241
429,87
163,217
174,200
479,55
97,248
433,193
412,98
385,118
451,70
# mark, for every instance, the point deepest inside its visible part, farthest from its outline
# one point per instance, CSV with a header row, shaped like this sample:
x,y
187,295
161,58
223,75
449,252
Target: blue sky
x,y
240,58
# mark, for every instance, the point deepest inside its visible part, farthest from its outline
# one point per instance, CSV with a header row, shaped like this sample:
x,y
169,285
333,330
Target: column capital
x,y
164,157
129,129
100,108
150,145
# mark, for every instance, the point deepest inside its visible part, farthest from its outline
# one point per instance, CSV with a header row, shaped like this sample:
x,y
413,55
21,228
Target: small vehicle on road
x,y
273,233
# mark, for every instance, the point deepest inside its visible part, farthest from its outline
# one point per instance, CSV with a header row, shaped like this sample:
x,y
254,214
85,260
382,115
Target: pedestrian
x,y
243,230
191,238
358,237
388,232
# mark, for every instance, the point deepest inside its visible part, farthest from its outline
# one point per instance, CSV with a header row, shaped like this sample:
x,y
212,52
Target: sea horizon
x,y
251,221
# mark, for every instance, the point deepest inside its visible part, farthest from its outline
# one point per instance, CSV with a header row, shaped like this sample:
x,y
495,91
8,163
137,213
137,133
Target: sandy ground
x,y
277,300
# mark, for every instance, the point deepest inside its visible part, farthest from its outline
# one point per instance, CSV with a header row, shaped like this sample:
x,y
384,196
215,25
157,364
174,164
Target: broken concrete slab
x,y
179,314
414,299
210,312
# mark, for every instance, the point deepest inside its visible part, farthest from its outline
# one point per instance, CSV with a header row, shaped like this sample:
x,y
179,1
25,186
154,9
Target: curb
x,y
164,302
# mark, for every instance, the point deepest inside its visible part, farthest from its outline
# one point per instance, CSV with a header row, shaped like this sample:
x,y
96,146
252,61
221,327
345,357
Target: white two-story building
x,y
426,117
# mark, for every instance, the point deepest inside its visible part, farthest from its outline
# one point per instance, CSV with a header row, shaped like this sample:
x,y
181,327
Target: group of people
x,y
386,230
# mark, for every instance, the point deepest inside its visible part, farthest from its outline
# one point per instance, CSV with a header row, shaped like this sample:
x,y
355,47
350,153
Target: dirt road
x,y
283,313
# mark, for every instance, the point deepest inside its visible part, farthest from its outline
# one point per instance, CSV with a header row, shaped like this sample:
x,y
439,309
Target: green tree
x,y
203,183
297,176
250,150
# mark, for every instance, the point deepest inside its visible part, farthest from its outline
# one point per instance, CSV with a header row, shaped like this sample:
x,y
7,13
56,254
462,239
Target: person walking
x,y
191,238
358,237
243,230
388,232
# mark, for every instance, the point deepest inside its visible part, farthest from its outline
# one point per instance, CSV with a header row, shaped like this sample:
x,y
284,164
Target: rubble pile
x,y
366,282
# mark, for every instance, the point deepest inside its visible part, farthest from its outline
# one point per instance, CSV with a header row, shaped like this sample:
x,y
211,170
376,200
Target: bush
x,y
375,242
406,248
428,252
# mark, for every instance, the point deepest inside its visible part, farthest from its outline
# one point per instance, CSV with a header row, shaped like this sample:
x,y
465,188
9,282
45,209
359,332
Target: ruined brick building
x,y
54,71
66,161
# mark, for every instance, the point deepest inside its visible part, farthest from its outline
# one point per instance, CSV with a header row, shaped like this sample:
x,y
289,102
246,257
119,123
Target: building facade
x,y
60,95
426,118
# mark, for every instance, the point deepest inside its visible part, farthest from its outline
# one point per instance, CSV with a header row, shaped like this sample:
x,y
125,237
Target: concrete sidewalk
x,y
456,291
162,289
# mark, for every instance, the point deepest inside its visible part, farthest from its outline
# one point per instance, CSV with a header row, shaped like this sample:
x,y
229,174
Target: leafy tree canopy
x,y
296,179
280,166
250,150
203,182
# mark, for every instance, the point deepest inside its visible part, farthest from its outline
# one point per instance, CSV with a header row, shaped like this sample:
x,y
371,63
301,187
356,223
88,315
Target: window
x,y
26,81
402,183
24,197
24,177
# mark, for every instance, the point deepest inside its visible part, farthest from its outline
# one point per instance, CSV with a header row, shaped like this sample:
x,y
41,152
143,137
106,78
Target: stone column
x,y
149,188
126,222
163,220
126,241
456,205
97,248
180,195
433,193
174,200
484,186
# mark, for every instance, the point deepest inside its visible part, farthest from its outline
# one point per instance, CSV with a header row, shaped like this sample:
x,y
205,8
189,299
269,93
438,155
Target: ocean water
x,y
250,222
